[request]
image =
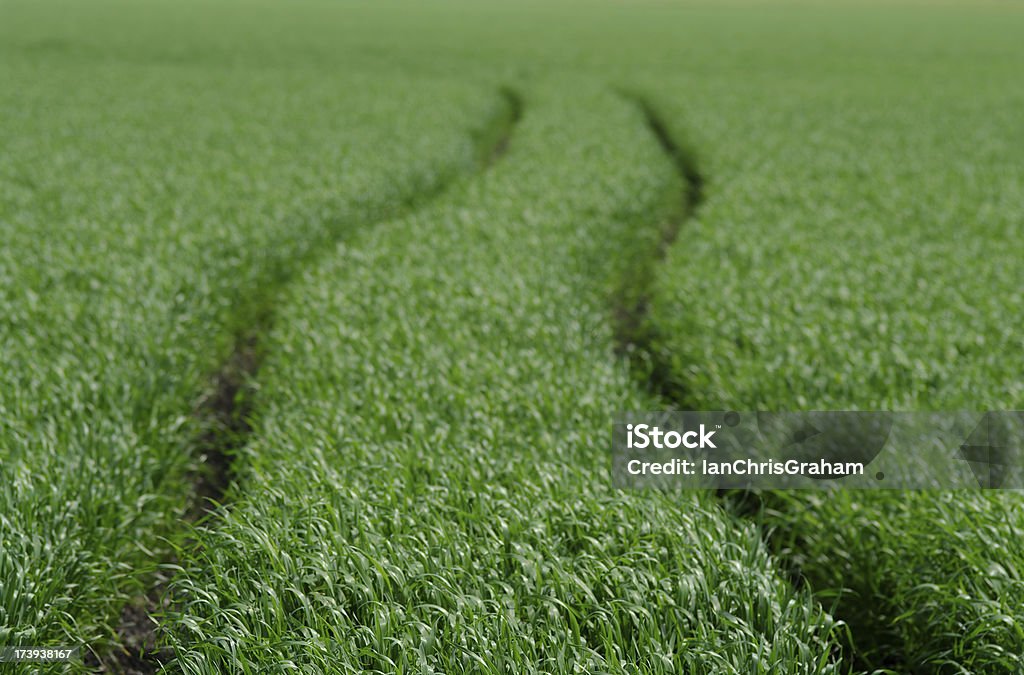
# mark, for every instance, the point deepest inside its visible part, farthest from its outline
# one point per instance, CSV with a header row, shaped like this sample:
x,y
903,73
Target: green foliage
x,y
146,212
925,580
859,249
428,489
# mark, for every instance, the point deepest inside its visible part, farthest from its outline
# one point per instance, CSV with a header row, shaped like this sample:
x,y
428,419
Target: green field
x,y
314,318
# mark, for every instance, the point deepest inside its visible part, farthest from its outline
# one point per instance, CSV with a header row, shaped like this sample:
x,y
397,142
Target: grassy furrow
x,y
427,488
859,249
146,207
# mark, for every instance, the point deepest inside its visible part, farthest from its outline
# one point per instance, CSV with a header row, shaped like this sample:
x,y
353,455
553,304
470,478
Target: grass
x,y
424,485
142,228
857,251
927,581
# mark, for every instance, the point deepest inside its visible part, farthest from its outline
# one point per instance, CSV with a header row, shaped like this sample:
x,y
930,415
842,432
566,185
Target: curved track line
x,y
635,335
225,413
638,339
227,409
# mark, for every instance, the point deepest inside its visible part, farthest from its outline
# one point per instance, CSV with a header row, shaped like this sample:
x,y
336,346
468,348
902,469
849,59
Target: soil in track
x,y
226,411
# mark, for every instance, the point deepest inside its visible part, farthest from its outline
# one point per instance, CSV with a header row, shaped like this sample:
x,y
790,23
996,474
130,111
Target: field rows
x,y
449,508
314,323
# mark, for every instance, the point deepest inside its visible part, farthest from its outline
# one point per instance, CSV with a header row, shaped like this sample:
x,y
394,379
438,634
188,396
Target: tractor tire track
x,y
636,337
225,413
638,340
226,410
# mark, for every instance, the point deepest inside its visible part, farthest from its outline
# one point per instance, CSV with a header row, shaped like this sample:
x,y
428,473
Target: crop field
x,y
315,316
